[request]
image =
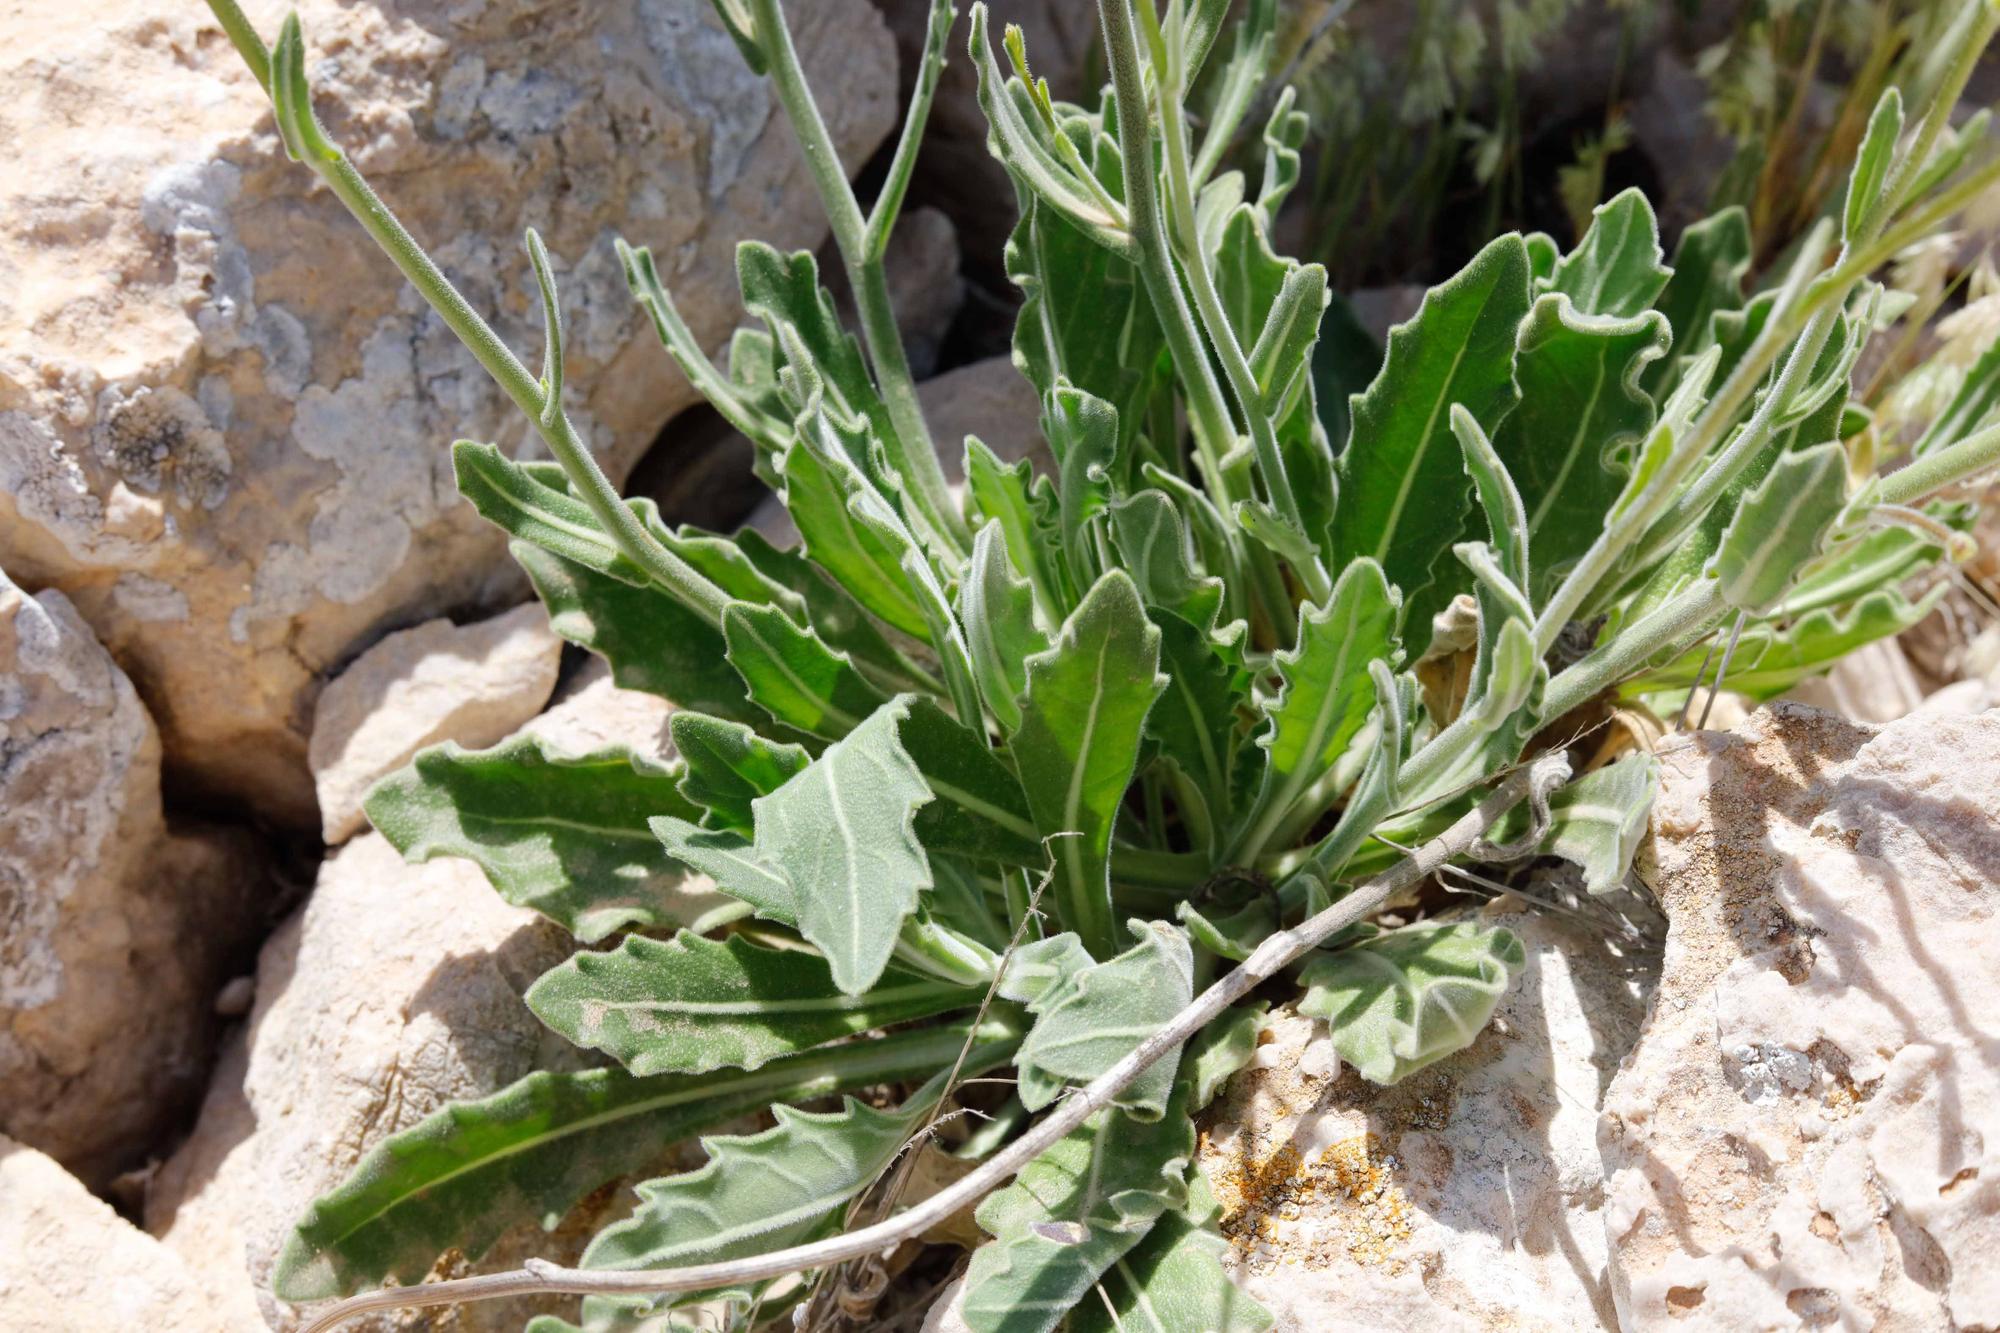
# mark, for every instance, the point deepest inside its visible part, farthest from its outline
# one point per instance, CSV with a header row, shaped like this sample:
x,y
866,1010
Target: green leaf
x,y
843,835
835,616
793,676
513,497
1345,359
742,29
783,291
565,835
1403,497
1095,1016
1160,557
1072,1213
1780,526
1499,501
980,810
728,858
1325,692
783,1187
1615,269
727,766
691,1005
1406,998
1710,260
1081,723
1024,506
1581,411
1173,1281
653,642
849,529
1083,434
460,1178
1219,1050
1772,658
1598,821
997,607
1195,719
1871,163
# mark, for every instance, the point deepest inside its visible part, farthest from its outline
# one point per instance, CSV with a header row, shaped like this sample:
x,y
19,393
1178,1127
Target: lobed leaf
x,y
793,676
1409,997
843,835
463,1176
692,1005
563,834
1615,269
726,766
1402,497
1092,1017
1081,724
1173,1281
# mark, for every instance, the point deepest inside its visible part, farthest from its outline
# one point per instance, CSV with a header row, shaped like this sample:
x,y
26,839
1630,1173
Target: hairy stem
x,y
1271,957
861,247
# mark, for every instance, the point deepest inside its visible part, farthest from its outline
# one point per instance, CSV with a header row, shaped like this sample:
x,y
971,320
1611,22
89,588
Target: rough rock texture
x,y
1467,1196
990,399
395,990
590,713
69,1264
435,682
223,417
115,932
1805,1135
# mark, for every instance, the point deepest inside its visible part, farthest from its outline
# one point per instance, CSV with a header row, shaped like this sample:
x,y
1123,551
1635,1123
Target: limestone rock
x,y
1804,1135
69,1264
990,399
224,417
590,712
435,682
115,931
395,990
1467,1196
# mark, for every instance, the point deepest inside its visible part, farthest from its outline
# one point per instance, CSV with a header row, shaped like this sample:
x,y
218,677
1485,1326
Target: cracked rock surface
x,y
224,418
1808,1131
116,930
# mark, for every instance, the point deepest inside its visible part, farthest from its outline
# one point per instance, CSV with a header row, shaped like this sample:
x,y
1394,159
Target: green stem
x,y
1206,408
292,101
912,451
1682,620
1941,468
244,38
896,184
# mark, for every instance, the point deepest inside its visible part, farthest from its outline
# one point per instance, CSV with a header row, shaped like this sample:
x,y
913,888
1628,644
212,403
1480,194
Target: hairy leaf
x,y
1780,526
691,1005
1581,408
727,766
1081,723
1710,260
1403,498
1161,559
1070,1214
563,834
1094,1016
980,810
1325,691
843,834
1871,164
1219,1050
1174,1281
795,677
460,1178
997,607
1412,996
1615,269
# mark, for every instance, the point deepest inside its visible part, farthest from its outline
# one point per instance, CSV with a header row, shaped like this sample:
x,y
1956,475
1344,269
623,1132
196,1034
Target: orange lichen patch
x,y
1313,1209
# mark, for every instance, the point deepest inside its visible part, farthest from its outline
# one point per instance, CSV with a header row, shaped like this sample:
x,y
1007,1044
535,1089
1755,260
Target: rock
x,y
1872,684
990,399
1805,1132
223,417
435,682
394,991
1467,1196
591,712
69,1264
115,929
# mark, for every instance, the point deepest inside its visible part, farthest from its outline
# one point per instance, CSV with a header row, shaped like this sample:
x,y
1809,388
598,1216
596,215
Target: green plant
x,y
1054,778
